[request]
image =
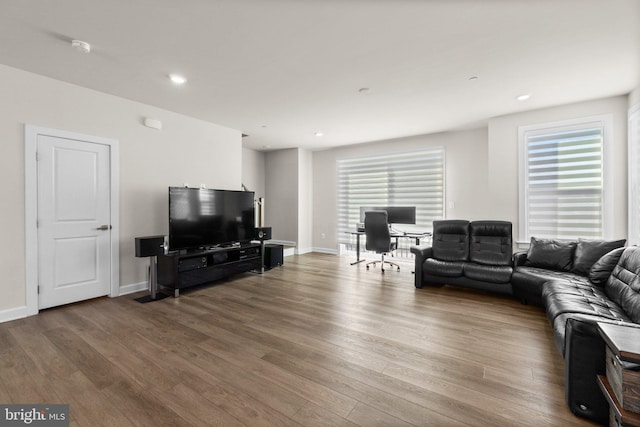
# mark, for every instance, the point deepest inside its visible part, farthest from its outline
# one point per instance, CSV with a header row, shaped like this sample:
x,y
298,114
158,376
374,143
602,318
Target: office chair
x,y
376,229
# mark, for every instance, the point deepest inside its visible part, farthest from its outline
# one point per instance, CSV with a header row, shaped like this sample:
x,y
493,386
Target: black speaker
x,y
273,256
150,246
263,233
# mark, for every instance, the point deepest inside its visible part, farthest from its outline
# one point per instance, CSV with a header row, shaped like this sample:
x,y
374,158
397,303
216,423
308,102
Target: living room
x,y
200,146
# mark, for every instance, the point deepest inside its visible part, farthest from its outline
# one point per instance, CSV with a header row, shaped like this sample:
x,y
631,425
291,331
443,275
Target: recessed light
x,y
319,134
364,90
523,97
473,78
177,79
81,46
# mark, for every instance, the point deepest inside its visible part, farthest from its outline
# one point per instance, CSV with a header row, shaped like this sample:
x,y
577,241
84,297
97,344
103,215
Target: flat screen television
x,y
203,218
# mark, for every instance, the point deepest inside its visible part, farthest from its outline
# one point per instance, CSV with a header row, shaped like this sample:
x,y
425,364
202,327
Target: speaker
x,y
263,233
273,256
150,246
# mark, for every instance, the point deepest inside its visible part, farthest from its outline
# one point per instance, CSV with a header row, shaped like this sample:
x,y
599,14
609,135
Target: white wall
x,y
281,194
466,177
305,201
481,167
503,156
634,97
253,172
186,150
288,201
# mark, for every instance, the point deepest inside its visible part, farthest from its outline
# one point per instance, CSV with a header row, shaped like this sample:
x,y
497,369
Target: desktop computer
x,y
395,214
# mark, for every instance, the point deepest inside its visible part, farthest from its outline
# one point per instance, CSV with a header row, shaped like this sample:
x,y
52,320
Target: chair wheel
x,y
367,267
398,268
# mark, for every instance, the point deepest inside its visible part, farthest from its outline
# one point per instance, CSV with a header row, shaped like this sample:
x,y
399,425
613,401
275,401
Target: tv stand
x,y
181,270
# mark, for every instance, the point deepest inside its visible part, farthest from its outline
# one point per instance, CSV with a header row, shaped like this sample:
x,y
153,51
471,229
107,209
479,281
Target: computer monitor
x,y
395,214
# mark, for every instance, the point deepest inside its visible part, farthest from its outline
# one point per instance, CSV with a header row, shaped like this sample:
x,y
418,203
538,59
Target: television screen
x,y
201,218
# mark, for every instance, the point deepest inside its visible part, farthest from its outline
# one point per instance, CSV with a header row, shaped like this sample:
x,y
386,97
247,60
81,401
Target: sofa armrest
x,y
519,258
584,359
421,253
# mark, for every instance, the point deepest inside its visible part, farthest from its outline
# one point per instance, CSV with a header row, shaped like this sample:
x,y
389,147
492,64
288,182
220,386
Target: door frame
x,y
31,134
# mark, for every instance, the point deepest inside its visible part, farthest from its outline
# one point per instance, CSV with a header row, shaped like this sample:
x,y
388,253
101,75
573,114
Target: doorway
x,y
71,217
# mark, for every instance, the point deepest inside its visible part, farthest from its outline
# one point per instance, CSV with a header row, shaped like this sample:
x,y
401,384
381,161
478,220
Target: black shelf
x,y
181,270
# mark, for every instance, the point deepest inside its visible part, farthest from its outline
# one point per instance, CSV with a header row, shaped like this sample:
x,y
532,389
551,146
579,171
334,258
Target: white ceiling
x,y
280,70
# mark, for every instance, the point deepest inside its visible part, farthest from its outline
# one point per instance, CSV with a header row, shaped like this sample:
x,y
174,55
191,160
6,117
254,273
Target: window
x,y
399,179
634,175
562,179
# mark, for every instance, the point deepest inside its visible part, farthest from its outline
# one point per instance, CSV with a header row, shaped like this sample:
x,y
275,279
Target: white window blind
x,y
400,179
562,181
634,176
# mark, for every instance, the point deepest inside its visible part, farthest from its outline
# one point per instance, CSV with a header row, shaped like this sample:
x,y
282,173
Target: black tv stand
x,y
179,270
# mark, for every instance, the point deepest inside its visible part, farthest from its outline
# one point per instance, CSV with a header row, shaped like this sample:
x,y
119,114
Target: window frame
x,y
342,239
633,175
603,120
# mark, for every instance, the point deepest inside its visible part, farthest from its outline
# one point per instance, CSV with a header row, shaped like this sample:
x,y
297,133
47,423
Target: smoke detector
x,y
81,46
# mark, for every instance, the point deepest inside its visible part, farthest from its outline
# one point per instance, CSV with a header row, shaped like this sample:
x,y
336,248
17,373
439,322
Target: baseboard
x,y
325,251
281,242
132,288
303,251
13,314
289,251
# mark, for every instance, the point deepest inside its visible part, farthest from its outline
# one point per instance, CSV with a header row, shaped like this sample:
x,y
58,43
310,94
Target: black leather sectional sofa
x,y
579,283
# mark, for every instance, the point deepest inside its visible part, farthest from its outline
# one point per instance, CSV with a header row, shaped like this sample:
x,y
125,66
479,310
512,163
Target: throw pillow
x,y
601,270
590,251
550,254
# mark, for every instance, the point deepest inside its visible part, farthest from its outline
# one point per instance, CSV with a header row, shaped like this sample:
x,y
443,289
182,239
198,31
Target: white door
x,y
74,220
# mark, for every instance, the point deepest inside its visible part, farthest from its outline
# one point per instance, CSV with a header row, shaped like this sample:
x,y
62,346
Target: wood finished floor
x,y
316,342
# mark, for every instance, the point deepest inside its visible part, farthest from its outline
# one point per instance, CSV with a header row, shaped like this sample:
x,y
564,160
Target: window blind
x,y
399,179
564,182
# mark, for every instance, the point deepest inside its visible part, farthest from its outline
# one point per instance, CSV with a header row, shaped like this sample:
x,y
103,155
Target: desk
x,y
407,235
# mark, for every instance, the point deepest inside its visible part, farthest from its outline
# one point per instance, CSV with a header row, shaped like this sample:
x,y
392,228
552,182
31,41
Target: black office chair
x,y
376,229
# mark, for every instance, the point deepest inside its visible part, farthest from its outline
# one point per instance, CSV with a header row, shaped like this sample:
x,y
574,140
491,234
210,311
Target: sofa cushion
x,y
436,267
565,299
564,296
589,251
531,279
450,240
551,254
488,273
490,242
601,270
624,284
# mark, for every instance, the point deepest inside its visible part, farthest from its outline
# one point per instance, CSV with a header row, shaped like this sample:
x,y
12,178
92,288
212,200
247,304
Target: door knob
x,y
104,227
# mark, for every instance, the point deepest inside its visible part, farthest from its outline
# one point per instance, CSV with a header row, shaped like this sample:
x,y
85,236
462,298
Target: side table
x,y
621,385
